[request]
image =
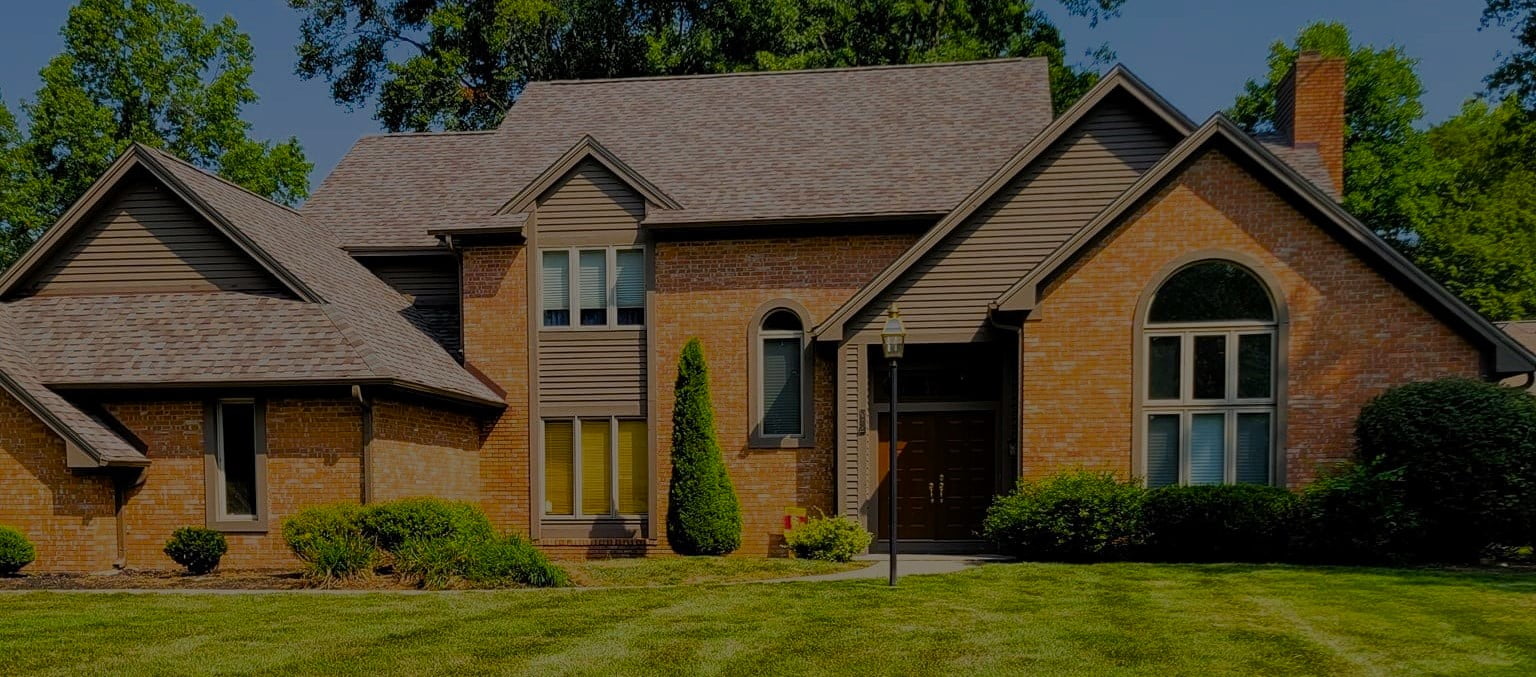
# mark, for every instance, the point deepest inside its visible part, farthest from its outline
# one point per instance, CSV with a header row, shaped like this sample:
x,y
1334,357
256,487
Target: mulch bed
x,y
175,580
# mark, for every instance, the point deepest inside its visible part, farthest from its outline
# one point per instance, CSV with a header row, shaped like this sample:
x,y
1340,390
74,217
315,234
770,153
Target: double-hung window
x,y
1208,382
781,401
592,287
596,467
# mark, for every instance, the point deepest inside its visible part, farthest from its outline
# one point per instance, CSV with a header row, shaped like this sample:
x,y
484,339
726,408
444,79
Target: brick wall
x,y
423,451
313,457
711,289
1352,333
69,517
495,298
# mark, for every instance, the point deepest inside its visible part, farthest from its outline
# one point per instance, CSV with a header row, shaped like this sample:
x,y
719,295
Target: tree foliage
x,y
459,64
145,71
1458,198
703,515
1516,73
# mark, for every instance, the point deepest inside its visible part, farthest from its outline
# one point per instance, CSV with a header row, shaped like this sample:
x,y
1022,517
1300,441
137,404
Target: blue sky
x,y
1196,52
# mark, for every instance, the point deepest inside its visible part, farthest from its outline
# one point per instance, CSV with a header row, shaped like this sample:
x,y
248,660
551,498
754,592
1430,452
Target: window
x,y
596,467
605,287
781,363
1208,380
236,465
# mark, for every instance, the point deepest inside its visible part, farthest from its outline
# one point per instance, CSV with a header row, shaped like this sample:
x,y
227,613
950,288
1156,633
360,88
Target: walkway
x,y
906,565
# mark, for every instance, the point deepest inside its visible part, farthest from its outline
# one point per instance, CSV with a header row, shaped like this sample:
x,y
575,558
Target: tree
x,y
459,64
18,205
152,72
703,515
1516,73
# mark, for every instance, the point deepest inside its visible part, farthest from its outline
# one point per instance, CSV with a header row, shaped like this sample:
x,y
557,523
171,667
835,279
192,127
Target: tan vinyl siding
x,y
590,372
143,239
432,282
851,408
949,289
589,206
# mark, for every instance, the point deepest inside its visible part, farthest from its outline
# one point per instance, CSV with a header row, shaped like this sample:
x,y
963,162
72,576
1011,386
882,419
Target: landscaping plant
x,y
329,540
703,515
1078,516
1217,523
1464,452
15,551
198,549
392,524
832,539
1356,515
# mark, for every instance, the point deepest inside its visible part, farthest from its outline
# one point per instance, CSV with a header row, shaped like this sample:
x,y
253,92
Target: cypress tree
x,y
703,515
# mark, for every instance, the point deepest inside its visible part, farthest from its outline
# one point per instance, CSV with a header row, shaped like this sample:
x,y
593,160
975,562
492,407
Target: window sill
x,y
241,527
781,442
577,330
606,528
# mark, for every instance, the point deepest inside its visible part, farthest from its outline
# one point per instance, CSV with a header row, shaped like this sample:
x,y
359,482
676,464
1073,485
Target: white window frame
x,y
576,470
611,279
1230,405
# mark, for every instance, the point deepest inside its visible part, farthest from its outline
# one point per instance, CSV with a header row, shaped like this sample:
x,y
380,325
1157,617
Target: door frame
x,y
999,469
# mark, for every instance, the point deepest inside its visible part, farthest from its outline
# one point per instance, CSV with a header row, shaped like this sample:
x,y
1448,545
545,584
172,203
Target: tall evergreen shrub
x,y
703,515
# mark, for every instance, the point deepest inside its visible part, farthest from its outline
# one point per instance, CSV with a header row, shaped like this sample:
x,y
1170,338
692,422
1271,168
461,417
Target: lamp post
x,y
893,337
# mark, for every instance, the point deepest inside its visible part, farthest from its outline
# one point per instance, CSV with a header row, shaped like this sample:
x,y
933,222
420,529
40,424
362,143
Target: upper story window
x,y
593,287
781,364
1209,378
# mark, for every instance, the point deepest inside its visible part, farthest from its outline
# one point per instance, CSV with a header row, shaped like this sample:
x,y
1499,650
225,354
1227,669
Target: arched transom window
x,y
1209,378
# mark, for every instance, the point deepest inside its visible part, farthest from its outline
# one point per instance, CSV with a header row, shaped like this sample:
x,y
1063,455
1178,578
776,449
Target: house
x,y
496,316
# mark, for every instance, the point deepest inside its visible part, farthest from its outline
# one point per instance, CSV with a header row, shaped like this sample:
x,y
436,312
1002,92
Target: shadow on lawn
x,y
1512,579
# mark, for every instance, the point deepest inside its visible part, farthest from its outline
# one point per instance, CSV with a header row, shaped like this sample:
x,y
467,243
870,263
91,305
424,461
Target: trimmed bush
x,y
1465,454
512,559
1356,516
15,551
1076,517
831,539
703,515
1217,523
392,524
329,541
198,549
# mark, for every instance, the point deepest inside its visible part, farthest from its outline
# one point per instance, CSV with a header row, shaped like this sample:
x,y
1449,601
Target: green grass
x,y
1000,619
691,570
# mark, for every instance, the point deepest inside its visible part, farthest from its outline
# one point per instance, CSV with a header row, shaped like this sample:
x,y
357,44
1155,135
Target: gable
x,y
589,204
143,238
948,290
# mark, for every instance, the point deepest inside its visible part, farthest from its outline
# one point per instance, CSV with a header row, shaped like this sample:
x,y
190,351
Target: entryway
x,y
947,471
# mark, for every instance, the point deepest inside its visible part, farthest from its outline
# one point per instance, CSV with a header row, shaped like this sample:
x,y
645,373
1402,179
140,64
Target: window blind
x,y
629,279
1207,448
558,482
557,280
781,386
596,468
594,279
1162,450
1253,448
634,468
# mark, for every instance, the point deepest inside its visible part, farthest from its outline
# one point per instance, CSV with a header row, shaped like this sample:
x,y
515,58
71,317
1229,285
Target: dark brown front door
x,y
946,472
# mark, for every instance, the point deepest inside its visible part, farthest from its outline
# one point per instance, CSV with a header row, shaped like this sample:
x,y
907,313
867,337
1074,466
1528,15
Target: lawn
x,y
643,571
999,619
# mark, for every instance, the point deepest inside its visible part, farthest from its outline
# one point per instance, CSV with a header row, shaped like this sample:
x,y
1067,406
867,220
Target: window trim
x,y
757,438
1143,407
573,289
613,514
213,494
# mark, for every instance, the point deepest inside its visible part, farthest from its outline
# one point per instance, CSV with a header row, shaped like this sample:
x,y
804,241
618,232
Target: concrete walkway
x,y
906,565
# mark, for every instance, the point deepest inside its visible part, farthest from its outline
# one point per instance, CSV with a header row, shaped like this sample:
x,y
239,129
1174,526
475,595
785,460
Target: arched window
x,y
1208,381
781,363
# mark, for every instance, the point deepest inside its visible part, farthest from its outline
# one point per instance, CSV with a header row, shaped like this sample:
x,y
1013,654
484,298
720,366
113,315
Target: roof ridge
x,y
220,179
435,132
794,71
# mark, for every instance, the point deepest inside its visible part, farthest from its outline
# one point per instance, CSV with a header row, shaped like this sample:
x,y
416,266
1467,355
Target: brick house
x,y
496,316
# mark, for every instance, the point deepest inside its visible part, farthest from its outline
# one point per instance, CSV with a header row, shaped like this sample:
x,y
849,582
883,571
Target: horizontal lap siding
x,y
950,288
589,203
145,239
850,447
432,284
587,369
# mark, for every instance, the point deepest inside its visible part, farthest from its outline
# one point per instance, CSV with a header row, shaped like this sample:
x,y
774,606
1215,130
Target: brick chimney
x,y
1309,109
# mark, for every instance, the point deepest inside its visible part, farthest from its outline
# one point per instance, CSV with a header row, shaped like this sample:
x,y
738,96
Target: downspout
x,y
1014,449
121,483
365,452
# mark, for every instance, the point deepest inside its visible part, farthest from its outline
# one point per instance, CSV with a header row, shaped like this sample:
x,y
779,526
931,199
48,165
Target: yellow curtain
x,y
558,475
596,468
634,468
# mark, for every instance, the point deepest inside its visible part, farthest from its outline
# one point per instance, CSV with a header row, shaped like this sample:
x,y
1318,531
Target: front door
x,y
946,472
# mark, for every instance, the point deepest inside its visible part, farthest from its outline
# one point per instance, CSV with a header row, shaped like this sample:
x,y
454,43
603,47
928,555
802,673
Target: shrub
x,y
329,541
433,562
512,559
703,515
1079,516
832,539
1465,453
15,551
1218,523
198,549
390,525
1356,516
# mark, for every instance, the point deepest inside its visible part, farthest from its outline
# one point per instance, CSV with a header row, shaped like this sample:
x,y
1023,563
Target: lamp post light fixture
x,y
893,337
